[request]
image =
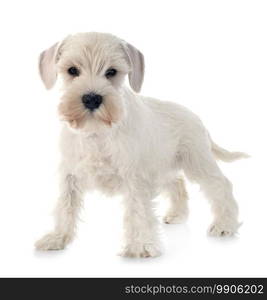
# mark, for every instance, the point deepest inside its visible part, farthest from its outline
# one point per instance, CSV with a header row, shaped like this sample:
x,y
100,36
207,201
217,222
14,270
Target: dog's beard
x,y
72,110
110,111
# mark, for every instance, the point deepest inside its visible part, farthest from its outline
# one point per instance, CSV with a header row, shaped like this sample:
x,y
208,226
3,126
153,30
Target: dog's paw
x,y
52,241
140,250
220,229
175,219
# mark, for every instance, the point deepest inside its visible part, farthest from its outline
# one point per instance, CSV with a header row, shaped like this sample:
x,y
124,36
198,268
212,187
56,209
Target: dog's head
x,y
93,67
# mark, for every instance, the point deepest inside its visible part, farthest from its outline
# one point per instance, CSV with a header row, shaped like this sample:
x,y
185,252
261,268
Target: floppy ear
x,y
136,61
47,65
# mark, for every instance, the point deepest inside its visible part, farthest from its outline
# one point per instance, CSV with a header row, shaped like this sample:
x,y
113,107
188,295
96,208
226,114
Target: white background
x,y
210,56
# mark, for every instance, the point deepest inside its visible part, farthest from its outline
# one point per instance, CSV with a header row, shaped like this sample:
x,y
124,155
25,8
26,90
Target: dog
x,y
121,143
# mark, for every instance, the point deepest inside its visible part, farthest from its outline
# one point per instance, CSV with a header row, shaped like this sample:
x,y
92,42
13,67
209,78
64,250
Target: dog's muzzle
x,y
92,101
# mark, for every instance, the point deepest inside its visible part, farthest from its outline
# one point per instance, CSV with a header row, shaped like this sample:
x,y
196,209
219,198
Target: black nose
x,y
92,101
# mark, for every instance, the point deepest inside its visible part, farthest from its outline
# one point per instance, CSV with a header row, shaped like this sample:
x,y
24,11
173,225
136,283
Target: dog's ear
x,y
47,65
136,61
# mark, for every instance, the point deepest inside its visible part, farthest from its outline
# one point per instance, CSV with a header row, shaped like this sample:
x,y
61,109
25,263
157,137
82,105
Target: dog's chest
x,y
101,167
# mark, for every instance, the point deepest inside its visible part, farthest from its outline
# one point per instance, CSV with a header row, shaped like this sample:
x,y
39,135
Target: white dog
x,y
119,142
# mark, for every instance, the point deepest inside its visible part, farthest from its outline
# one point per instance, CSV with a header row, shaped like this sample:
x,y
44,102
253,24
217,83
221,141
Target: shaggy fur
x,y
131,145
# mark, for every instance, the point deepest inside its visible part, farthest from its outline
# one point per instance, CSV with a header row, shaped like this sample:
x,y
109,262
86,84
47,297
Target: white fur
x,y
143,152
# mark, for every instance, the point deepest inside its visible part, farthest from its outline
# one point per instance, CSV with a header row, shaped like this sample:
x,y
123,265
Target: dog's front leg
x,y
140,227
66,215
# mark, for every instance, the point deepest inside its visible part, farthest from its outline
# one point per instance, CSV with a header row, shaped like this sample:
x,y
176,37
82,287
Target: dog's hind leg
x,y
200,166
66,216
178,198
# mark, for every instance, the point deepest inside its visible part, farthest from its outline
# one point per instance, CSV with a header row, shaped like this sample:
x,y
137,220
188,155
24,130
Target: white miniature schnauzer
x,y
119,142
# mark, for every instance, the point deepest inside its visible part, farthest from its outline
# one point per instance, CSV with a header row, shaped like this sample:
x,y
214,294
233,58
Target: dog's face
x,y
93,67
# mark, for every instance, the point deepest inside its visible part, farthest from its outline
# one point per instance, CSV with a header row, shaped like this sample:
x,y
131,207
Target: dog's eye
x,y
110,73
73,71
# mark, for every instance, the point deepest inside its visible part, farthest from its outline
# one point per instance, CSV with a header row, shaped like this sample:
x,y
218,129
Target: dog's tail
x,y
225,155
